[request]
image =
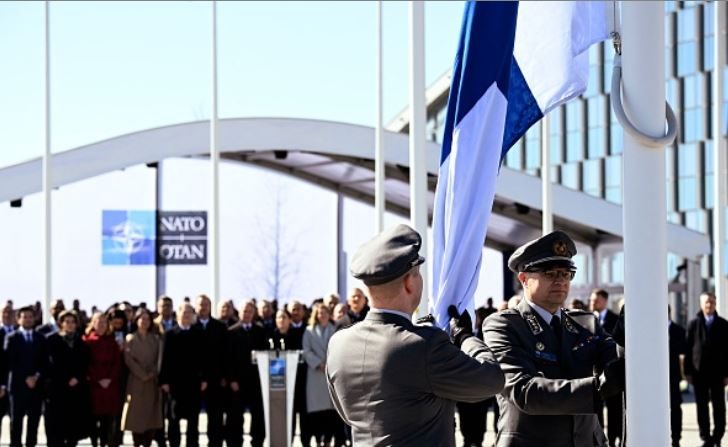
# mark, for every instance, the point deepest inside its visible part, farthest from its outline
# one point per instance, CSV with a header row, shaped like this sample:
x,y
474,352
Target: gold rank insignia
x,y
540,346
560,248
569,325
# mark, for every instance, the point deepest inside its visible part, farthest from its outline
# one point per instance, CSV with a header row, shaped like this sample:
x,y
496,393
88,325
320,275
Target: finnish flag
x,y
515,62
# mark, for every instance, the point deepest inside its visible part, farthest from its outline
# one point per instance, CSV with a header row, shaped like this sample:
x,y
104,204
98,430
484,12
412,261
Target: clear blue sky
x,y
120,67
117,67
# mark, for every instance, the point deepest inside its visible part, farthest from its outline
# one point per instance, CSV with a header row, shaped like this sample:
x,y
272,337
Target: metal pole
x,y
547,214
379,193
341,270
47,184
160,267
645,226
417,119
719,159
214,242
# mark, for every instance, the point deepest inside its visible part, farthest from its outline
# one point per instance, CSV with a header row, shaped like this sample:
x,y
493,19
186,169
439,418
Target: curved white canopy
x,y
339,156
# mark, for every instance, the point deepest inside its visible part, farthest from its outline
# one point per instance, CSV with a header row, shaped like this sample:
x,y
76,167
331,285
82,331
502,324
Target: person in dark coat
x,y
296,330
7,328
181,376
68,416
104,375
243,378
559,364
27,356
598,303
213,334
706,367
676,342
358,305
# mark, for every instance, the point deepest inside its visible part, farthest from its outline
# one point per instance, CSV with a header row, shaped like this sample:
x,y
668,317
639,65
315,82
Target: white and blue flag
x,y
515,62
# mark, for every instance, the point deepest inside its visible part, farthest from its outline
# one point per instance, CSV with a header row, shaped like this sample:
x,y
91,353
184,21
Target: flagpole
x,y
214,245
379,192
547,216
645,226
719,159
47,185
417,120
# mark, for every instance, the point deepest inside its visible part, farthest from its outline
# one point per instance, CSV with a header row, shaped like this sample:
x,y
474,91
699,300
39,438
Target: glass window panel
x,y
570,175
592,177
514,157
686,161
670,195
687,193
686,29
670,5
693,125
533,147
695,220
693,91
708,191
672,90
613,178
707,18
708,53
597,143
608,65
686,58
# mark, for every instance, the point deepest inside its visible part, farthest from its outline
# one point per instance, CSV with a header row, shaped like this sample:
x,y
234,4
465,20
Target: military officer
x,y
550,355
395,382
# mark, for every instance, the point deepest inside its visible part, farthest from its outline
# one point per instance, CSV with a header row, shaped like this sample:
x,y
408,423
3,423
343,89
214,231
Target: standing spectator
x,y
244,337
297,329
358,305
27,356
283,337
340,316
298,314
165,316
67,415
104,373
129,311
143,408
120,329
325,423
331,300
213,334
676,339
489,309
82,316
265,316
226,313
706,367
51,327
598,301
181,376
577,304
6,330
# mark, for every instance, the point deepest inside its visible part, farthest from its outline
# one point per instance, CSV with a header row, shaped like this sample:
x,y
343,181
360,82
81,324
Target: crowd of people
x,y
133,369
138,370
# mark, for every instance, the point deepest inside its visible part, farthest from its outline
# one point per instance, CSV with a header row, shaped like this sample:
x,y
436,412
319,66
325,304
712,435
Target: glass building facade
x,y
587,141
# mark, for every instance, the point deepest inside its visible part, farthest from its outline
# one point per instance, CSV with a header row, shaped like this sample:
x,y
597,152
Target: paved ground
x,y
690,430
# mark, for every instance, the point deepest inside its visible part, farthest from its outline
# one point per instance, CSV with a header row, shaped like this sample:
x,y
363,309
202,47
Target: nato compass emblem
x,y
128,237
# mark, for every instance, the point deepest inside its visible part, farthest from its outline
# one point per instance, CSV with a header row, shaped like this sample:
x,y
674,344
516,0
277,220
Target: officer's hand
x,y
461,326
612,380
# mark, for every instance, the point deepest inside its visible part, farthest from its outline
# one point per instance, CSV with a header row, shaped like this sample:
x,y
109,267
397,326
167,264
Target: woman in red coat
x,y
103,373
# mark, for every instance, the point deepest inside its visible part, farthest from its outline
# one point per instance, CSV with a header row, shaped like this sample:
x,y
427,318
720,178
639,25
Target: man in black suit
x,y
598,303
358,305
7,328
181,376
213,358
51,327
297,329
244,337
27,357
676,337
706,367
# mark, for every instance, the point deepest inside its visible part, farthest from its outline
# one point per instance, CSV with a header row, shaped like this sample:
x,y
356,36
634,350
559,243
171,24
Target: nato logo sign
x,y
128,237
149,238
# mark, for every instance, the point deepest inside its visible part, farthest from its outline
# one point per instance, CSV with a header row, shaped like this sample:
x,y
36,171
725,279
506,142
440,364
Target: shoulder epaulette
x,y
426,320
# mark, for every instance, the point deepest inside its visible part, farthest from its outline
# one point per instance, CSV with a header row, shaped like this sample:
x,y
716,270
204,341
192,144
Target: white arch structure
x,y
339,157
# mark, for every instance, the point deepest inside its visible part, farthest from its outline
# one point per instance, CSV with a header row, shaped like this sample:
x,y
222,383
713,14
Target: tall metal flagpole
x,y
645,226
379,193
719,159
547,214
214,242
47,185
417,119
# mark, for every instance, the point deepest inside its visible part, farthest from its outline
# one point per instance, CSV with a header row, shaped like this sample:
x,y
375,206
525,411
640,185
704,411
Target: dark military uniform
x,y
550,397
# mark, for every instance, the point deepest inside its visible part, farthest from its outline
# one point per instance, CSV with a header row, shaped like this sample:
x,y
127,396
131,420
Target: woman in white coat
x,y
324,421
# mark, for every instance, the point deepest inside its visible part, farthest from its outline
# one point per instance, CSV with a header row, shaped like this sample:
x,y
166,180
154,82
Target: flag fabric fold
x,y
515,62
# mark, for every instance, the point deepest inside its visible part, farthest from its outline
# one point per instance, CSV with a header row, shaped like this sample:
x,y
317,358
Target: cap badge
x,y
560,248
540,346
